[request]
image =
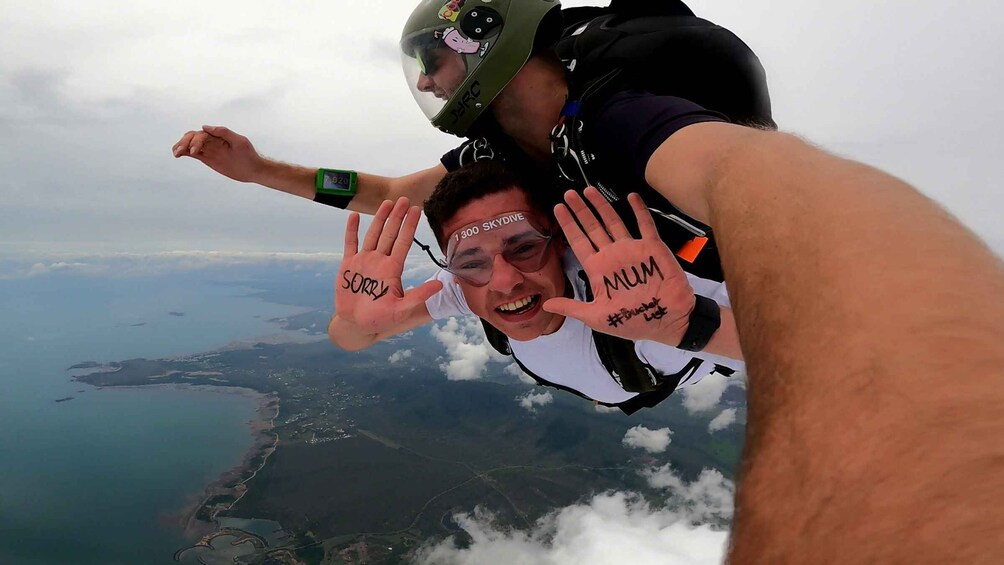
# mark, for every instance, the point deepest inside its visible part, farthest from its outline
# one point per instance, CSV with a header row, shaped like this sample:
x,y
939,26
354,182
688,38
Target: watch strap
x,y
335,187
703,322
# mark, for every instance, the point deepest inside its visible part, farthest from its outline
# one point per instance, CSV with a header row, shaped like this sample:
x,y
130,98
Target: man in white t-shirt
x,y
553,304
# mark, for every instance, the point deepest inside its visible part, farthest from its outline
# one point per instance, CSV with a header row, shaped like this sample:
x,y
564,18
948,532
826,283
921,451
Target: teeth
x,y
512,306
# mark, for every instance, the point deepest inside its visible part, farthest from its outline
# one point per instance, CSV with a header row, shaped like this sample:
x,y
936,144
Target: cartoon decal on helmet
x,y
451,10
453,39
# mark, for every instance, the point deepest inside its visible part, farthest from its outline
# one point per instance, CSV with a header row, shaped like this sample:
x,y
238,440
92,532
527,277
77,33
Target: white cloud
x,y
652,441
514,370
723,420
611,528
531,400
708,499
466,348
706,394
400,355
606,409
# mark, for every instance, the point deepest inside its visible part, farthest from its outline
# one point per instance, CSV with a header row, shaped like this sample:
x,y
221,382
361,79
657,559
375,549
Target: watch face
x,y
337,180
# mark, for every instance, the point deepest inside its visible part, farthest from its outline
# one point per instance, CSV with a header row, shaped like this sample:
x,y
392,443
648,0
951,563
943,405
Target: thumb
x,y
221,132
563,307
423,292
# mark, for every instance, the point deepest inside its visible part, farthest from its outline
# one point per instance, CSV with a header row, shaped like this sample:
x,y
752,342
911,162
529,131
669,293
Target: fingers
x,y
577,240
192,143
223,133
613,223
373,233
181,148
422,293
566,307
393,226
646,225
196,143
590,224
351,236
403,243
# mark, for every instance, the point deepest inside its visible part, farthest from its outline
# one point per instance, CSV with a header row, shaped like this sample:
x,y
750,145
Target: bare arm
x,y
370,301
233,156
373,189
872,323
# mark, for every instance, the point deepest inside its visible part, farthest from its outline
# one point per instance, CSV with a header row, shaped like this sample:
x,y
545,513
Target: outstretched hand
x,y
639,290
222,150
368,291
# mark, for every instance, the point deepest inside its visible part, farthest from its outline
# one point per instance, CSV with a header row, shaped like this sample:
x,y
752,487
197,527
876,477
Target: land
x,y
361,460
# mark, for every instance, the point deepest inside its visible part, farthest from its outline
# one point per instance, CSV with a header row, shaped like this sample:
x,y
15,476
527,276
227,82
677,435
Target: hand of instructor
x,y
223,151
232,155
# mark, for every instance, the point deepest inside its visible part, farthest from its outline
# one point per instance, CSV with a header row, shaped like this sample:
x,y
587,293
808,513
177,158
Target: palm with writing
x,y
639,290
368,291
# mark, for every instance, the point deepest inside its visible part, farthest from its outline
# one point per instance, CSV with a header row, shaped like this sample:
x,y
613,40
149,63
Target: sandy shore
x,y
232,483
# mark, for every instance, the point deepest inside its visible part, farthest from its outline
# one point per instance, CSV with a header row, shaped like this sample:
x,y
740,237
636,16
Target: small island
x,y
65,398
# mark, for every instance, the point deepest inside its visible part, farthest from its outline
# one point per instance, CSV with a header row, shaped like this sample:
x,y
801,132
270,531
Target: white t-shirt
x,y
578,365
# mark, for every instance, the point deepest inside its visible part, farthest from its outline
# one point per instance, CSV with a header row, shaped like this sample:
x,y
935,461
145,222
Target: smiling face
x,y
511,300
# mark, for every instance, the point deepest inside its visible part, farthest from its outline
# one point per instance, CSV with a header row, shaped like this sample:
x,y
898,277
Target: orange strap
x,y
692,249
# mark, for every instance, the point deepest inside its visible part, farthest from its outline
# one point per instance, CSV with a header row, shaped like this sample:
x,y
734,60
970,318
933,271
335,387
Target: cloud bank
x,y
652,441
400,355
723,420
531,400
466,348
615,527
129,265
706,394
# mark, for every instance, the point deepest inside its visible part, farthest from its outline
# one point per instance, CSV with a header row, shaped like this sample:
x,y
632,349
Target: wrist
x,y
335,187
702,323
262,171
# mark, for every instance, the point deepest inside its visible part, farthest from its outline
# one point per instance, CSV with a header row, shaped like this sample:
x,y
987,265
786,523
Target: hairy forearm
x,y
871,325
725,341
374,189
286,177
371,190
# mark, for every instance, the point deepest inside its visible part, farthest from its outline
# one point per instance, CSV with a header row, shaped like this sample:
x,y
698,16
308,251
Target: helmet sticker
x,y
453,39
451,10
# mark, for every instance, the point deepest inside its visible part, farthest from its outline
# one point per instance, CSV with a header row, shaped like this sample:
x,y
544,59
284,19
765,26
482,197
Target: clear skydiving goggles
x,y
471,250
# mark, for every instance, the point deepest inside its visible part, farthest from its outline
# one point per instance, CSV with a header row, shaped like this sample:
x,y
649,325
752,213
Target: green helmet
x,y
459,54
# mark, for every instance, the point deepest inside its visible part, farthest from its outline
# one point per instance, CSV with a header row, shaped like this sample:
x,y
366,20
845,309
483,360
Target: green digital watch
x,y
335,187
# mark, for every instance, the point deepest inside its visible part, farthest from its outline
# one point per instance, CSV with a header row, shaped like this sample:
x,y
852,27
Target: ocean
x,y
95,479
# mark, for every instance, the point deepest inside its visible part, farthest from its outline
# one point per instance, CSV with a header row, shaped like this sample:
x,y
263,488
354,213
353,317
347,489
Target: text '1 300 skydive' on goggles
x,y
471,250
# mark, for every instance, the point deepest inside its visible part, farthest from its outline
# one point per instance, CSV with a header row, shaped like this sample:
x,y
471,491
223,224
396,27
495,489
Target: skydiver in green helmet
x,y
569,93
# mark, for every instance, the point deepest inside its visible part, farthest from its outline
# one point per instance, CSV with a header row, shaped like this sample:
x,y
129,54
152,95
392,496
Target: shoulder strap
x,y
498,340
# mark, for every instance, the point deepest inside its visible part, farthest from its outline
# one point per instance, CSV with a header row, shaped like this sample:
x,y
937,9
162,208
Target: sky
x,y
94,94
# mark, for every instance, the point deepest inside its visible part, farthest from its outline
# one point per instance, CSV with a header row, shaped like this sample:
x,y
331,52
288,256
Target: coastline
x,y
197,518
